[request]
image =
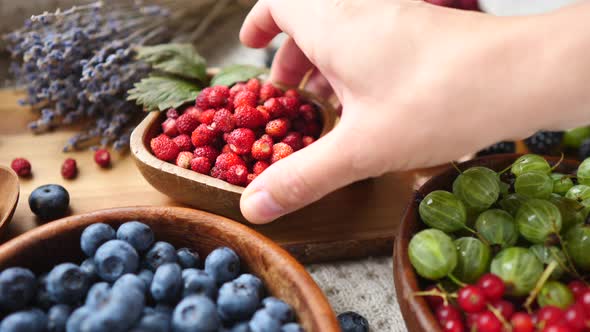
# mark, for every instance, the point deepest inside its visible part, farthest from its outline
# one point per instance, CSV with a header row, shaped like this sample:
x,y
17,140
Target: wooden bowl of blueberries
x,y
205,153
155,269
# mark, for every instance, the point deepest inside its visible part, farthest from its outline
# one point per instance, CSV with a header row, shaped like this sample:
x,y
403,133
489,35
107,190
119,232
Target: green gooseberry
x,y
548,254
433,254
573,138
534,184
572,212
561,183
442,210
583,173
519,268
497,227
538,221
578,192
473,259
577,241
512,202
478,188
556,294
530,162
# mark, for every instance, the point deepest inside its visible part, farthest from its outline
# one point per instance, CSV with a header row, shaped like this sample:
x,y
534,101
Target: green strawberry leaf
x,y
237,73
158,92
178,59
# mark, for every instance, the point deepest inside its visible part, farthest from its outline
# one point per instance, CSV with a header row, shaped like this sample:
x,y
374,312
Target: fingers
x,y
290,64
299,179
260,27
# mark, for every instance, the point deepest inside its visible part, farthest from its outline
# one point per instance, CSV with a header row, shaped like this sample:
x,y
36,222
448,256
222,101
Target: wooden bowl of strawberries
x,y
205,153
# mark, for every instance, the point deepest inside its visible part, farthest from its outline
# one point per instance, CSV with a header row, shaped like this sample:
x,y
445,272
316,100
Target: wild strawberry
x,y
278,127
280,151
21,166
264,113
292,93
274,107
251,178
186,124
184,142
218,96
240,140
203,135
294,140
262,149
223,121
184,159
253,85
194,111
201,165
172,113
312,129
248,117
267,138
103,158
226,160
245,98
225,149
202,101
163,147
207,116
260,166
69,169
237,174
307,140
233,91
290,106
208,152
308,112
217,172
169,127
267,91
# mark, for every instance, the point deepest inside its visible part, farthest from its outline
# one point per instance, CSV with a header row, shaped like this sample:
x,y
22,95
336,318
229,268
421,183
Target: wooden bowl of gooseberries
x,y
498,243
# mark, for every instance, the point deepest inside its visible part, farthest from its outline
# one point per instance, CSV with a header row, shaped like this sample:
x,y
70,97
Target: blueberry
x,y
89,268
167,283
187,258
236,302
292,327
138,234
98,295
67,283
240,327
94,236
49,202
17,288
164,308
352,322
131,280
155,322
278,309
195,313
58,317
25,321
76,319
114,259
250,280
43,300
147,276
262,321
222,264
198,282
160,253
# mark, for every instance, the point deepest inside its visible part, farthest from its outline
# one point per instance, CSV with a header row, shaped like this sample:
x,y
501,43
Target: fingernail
x,y
261,207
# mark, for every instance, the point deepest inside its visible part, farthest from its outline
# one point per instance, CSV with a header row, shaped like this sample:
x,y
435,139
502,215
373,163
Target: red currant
x,y
550,315
578,288
492,286
433,300
585,300
453,326
556,328
446,313
472,320
506,308
575,318
522,322
488,322
471,299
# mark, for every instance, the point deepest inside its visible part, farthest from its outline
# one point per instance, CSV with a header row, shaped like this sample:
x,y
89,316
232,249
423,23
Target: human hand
x,y
420,85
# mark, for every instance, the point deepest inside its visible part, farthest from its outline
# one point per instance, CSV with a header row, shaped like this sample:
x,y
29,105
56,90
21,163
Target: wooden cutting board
x,y
358,221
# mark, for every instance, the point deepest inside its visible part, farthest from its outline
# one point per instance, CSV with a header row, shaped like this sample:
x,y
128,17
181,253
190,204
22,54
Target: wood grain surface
x,y
357,221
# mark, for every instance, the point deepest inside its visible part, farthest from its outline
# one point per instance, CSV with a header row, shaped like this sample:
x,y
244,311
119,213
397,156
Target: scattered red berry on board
x,y
162,146
492,286
471,299
280,151
522,322
102,157
69,169
21,167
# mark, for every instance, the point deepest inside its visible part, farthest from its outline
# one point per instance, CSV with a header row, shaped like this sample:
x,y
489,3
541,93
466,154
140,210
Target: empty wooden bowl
x,y
283,276
186,186
9,193
417,314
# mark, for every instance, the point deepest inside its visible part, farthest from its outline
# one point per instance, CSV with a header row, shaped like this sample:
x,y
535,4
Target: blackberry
x,y
584,149
544,142
500,147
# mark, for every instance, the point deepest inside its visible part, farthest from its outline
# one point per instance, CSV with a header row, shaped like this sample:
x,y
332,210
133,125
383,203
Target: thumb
x,y
300,179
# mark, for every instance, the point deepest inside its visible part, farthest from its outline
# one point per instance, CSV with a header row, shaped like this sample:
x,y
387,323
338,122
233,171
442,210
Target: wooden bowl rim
x,y
322,315
13,198
406,281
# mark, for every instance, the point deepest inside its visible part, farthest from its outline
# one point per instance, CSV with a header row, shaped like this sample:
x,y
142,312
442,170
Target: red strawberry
x,y
184,159
223,121
186,124
218,96
251,178
240,140
277,128
264,112
233,91
292,93
208,152
253,85
237,174
260,166
228,159
194,111
217,172
262,149
172,113
201,165
163,147
290,106
245,98
274,107
21,166
103,158
169,127
248,117
202,101
207,116
267,138
307,140
225,149
203,135
267,91
308,112
294,140
69,169
280,151
184,142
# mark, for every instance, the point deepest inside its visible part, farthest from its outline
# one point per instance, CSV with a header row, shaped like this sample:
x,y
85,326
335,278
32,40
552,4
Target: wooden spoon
x,y
9,192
